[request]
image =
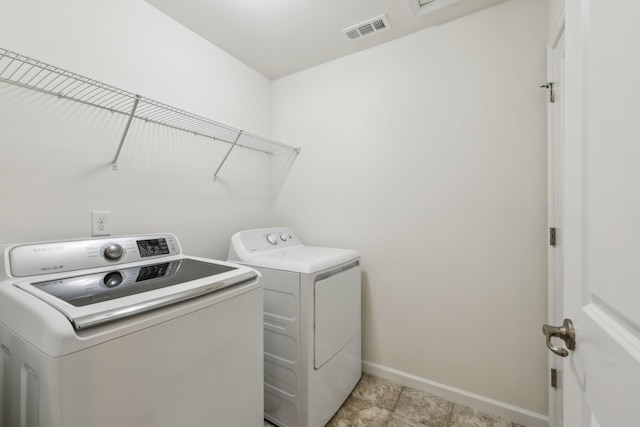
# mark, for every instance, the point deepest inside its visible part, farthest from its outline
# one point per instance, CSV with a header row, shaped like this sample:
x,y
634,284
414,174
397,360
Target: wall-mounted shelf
x,y
30,73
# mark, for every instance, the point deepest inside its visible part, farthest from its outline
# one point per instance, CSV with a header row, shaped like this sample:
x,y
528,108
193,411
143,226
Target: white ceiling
x,y
281,37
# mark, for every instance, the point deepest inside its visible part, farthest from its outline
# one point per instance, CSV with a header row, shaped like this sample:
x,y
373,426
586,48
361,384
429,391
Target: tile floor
x,y
376,402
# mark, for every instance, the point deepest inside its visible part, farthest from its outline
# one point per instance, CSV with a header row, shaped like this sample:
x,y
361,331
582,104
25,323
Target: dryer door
x,y
337,311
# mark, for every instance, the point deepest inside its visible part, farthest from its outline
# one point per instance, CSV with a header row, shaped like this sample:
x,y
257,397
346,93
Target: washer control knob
x,y
113,251
113,279
271,238
283,237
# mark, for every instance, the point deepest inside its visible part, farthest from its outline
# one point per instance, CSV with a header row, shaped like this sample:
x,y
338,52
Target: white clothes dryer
x,y
312,324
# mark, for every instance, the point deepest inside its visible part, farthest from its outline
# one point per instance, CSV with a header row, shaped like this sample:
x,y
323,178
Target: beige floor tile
x,y
382,393
399,421
464,416
376,402
423,408
360,413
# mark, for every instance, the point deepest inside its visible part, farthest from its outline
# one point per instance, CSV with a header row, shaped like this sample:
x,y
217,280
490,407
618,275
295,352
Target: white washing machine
x,y
128,332
312,324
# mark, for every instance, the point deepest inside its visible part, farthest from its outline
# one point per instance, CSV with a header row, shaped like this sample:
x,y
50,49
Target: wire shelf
x,y
30,73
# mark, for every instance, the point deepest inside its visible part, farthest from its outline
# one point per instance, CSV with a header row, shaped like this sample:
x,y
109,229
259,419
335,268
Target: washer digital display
x,y
153,247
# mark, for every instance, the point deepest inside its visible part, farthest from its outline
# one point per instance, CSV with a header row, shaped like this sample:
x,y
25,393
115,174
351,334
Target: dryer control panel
x,y
279,236
262,240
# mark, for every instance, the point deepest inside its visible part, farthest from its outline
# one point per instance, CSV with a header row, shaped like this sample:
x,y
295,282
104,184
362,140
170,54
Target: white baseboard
x,y
472,400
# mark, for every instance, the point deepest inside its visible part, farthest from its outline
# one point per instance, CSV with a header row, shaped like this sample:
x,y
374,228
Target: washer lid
x,y
303,259
102,296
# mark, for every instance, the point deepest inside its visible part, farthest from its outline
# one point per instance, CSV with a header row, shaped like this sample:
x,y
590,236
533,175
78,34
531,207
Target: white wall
x,y
556,15
55,162
428,154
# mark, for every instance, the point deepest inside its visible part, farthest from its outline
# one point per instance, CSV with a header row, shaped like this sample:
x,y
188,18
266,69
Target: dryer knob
x,y
283,237
113,251
271,238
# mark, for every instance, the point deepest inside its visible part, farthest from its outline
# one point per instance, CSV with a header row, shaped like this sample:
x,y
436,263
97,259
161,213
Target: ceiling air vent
x,y
366,28
422,7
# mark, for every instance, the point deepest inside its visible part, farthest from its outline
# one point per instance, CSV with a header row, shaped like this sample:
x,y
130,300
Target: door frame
x,y
555,169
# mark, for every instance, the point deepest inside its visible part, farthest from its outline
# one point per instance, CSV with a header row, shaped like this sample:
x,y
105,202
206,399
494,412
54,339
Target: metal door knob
x,y
564,332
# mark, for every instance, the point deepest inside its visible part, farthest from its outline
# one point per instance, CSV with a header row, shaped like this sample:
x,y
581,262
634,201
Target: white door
x,y
602,212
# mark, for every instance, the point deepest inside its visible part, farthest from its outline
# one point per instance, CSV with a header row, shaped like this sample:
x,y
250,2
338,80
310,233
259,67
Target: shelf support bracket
x,y
215,175
114,166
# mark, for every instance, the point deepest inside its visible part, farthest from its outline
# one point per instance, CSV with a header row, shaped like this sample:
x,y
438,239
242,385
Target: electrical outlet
x,y
100,223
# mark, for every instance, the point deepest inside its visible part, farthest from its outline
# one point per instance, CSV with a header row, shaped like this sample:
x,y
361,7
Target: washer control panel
x,y
56,257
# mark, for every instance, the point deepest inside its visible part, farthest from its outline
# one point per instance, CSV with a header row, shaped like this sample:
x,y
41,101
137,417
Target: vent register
x,y
423,7
367,28
381,23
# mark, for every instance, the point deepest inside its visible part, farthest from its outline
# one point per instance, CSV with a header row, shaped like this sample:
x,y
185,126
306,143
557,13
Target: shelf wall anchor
x,y
215,175
114,166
